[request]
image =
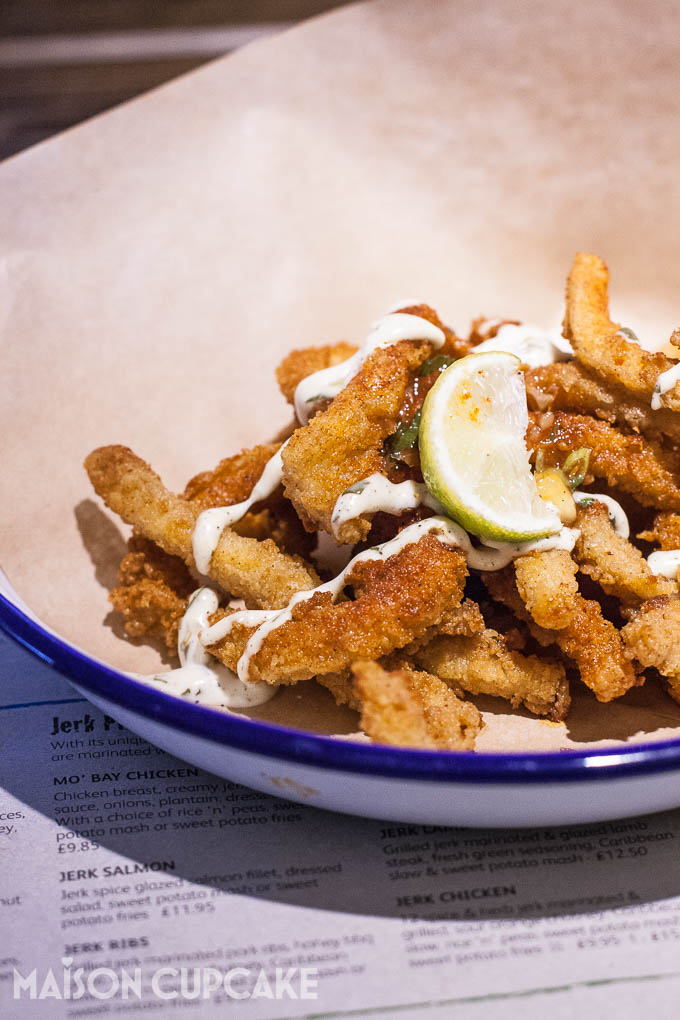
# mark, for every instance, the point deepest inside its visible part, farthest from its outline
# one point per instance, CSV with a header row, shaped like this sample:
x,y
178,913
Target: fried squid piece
x,y
232,480
152,592
547,584
409,708
297,365
653,638
341,686
255,571
633,464
665,531
395,601
483,664
592,642
461,621
344,444
597,341
618,567
568,386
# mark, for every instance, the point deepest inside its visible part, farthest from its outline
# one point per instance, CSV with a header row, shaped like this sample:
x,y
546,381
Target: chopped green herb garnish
x,y
434,363
161,679
406,435
188,691
575,467
585,502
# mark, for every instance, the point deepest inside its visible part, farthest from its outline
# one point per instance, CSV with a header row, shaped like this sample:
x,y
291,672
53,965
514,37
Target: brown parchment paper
x,y
156,262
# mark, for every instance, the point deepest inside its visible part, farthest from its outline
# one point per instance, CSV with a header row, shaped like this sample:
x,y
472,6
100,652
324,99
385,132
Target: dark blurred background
x,y
62,61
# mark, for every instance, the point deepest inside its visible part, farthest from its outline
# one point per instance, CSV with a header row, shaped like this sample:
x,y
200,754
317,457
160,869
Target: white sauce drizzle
x,y
200,677
664,383
617,515
378,493
665,563
328,382
532,345
493,556
211,523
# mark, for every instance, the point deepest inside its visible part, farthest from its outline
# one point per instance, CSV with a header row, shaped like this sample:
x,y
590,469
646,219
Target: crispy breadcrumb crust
x,y
410,708
395,601
244,567
596,341
635,464
483,664
344,444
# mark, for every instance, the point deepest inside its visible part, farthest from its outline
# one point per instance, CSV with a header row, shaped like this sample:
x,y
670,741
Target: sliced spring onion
x,y
406,435
575,467
434,363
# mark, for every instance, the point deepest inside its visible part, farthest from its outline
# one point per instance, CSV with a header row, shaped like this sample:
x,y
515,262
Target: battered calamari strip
x,y
255,571
653,638
483,664
395,601
592,642
568,386
618,567
546,582
232,480
344,444
665,531
152,592
297,365
409,708
633,464
461,621
596,341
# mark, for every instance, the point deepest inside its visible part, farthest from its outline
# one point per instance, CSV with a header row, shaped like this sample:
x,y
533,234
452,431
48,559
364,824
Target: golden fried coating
x,y
653,638
547,584
344,444
591,641
409,708
255,571
483,664
568,386
665,531
634,464
297,365
618,567
232,480
463,620
341,686
152,592
596,339
395,601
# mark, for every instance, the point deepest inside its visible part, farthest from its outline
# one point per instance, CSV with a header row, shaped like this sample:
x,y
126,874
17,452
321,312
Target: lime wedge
x,y
473,454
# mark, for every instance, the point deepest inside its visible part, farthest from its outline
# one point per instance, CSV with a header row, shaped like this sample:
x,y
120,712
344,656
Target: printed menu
x,y
134,883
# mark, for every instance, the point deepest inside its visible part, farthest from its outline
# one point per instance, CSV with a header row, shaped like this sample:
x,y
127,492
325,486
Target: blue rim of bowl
x,y
332,753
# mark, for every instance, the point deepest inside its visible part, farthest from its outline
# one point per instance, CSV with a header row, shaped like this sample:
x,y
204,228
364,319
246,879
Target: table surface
x,y
64,62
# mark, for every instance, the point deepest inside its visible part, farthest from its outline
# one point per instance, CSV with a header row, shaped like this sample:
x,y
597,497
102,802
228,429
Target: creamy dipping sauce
x,y
664,383
390,329
211,523
617,515
533,346
665,563
200,677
